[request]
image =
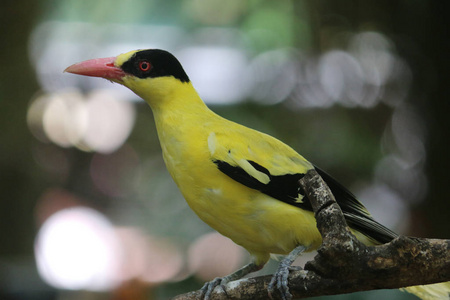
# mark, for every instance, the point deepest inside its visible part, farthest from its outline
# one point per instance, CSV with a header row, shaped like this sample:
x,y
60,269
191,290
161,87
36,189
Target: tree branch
x,y
345,265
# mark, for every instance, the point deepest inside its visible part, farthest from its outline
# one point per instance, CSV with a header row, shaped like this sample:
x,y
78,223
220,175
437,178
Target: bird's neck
x,y
167,94
177,107
181,119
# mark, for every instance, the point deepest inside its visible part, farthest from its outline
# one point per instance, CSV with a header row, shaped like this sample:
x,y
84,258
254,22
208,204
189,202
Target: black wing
x,y
355,213
286,188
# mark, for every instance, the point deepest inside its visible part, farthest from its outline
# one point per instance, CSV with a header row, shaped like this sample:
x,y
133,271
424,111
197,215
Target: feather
x,y
286,188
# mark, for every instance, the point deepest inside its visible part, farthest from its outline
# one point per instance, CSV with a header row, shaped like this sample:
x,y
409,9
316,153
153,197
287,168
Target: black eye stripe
x,y
161,64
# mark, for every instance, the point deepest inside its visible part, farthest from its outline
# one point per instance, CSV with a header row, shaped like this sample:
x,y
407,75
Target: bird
x,y
241,182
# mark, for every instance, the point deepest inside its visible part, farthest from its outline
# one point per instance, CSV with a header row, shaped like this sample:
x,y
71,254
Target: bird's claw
x,y
209,287
279,282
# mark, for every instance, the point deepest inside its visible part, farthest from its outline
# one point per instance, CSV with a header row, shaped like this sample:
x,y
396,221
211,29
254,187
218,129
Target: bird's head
x,y
152,74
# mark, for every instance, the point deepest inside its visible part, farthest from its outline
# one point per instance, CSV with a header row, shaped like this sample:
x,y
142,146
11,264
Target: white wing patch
x,y
247,167
299,199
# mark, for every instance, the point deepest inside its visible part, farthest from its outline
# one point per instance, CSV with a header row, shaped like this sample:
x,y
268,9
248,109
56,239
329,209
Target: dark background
x,y
347,140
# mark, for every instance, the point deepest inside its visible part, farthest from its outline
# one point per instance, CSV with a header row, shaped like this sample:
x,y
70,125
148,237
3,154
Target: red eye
x,y
144,66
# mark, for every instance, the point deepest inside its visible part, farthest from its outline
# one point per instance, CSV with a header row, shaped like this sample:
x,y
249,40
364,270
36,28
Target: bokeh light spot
x,y
213,255
76,248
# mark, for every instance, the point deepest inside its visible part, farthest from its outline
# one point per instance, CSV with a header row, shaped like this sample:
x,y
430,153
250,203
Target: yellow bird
x,y
241,182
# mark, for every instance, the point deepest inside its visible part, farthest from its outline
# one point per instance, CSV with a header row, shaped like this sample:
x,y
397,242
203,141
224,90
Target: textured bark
x,y
345,265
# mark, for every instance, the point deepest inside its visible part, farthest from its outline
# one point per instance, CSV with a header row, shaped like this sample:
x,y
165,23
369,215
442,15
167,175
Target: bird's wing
x,y
263,163
260,162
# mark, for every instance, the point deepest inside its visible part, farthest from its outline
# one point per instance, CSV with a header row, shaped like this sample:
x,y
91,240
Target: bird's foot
x,y
209,287
279,281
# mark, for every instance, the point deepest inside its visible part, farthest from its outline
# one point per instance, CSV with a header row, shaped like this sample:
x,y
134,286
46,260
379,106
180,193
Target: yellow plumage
x,y
192,136
241,182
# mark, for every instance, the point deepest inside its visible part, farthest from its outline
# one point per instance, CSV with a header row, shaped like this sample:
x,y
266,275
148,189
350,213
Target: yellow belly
x,y
255,221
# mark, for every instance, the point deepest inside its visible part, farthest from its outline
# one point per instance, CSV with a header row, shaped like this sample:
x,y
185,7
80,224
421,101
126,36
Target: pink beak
x,y
99,67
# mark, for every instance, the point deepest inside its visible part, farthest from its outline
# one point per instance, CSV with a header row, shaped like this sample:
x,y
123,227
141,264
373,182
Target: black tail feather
x,y
355,213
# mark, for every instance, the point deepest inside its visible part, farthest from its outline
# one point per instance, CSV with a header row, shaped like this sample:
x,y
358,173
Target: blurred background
x,y
87,208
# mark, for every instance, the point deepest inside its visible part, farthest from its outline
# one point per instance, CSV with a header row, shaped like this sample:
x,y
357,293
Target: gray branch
x,y
343,264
